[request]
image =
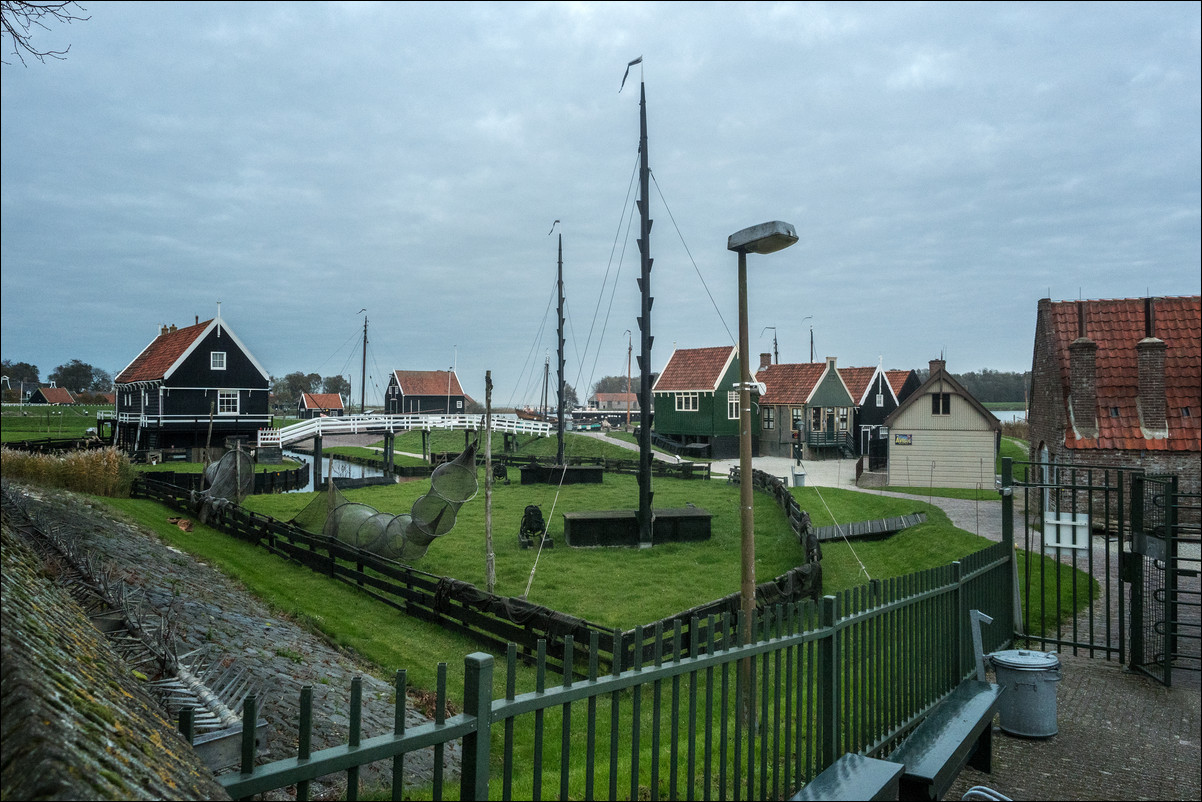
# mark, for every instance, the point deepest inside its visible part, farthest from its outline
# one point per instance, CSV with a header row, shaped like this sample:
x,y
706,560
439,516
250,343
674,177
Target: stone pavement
x,y
1121,735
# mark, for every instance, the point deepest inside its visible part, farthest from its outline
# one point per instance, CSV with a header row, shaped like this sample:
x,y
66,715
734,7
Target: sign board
x,y
903,439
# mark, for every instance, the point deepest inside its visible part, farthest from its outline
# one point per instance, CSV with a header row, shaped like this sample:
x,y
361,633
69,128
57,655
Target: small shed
x,y
320,405
51,395
941,436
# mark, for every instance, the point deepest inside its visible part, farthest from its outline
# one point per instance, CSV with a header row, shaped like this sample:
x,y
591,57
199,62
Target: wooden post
x,y
490,568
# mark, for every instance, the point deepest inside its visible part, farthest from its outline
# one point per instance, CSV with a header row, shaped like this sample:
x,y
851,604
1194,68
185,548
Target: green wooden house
x,y
811,399
696,403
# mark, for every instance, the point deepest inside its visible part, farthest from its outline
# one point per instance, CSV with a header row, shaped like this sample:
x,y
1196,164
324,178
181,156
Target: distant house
x,y
51,395
618,402
424,392
1116,383
189,388
874,400
941,436
903,382
320,405
696,402
809,398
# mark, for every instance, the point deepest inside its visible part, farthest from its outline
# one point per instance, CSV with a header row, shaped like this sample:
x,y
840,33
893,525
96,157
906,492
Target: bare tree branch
x,y
21,17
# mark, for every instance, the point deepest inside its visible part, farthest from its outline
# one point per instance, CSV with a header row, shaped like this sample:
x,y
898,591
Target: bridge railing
x,y
388,424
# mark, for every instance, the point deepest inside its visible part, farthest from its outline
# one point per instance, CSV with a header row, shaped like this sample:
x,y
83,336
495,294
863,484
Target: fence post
x,y
828,682
1131,570
959,622
477,702
1011,590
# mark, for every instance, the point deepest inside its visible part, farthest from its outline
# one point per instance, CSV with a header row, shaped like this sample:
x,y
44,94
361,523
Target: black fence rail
x,y
459,606
56,445
799,519
265,481
493,621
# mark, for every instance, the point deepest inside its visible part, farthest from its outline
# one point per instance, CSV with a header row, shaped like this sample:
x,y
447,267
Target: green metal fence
x,y
853,673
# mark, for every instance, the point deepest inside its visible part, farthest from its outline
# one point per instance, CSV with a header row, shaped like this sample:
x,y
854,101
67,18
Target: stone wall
x,y
76,722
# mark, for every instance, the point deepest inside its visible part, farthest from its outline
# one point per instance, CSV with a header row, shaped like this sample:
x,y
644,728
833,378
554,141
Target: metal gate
x,y
1069,518
1133,541
1164,576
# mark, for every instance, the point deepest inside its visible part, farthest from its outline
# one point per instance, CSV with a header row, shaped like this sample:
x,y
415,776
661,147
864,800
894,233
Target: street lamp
x,y
764,238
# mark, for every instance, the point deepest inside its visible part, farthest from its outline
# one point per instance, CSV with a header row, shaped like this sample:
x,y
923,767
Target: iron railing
x,y
854,673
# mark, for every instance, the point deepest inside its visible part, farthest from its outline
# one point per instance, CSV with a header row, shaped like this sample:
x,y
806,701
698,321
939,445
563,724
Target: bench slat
x,y
958,731
854,777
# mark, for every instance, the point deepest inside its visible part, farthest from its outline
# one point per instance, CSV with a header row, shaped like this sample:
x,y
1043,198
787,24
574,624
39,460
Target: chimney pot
x,y
937,365
765,360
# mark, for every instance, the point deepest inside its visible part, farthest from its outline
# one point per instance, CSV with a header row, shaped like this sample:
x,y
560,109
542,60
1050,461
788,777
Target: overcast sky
x,y
945,165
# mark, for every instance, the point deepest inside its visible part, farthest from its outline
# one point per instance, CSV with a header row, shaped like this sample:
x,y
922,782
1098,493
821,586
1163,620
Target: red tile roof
x,y
856,380
695,369
158,357
617,397
321,400
897,379
57,395
428,382
1117,326
789,385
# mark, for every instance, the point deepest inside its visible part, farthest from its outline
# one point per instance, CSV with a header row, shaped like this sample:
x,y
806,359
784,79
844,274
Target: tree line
x,y
988,386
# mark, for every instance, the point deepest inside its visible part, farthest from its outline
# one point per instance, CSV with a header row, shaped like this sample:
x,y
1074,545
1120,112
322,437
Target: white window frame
x,y
687,402
842,416
732,405
217,360
223,402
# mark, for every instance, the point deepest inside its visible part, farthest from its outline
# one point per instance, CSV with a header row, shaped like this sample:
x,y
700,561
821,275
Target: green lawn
x,y
41,421
594,583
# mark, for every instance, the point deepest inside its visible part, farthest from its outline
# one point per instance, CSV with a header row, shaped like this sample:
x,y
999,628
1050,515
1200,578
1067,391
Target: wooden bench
x,y
853,777
958,732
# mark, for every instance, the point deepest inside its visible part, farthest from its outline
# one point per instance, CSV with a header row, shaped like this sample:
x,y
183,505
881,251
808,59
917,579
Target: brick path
x,y
1121,736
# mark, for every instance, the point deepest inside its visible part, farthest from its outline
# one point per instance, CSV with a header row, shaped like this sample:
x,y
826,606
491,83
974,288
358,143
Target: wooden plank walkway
x,y
884,526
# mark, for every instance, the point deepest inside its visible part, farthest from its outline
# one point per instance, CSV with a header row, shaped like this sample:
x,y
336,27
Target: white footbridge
x,y
394,424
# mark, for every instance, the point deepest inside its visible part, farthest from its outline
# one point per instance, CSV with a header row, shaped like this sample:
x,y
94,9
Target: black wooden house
x,y
192,387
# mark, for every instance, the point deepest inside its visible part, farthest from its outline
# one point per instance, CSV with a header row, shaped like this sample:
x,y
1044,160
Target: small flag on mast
x,y
638,60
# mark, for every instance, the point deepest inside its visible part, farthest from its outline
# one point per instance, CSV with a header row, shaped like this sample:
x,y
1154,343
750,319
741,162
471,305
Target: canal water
x,y
332,466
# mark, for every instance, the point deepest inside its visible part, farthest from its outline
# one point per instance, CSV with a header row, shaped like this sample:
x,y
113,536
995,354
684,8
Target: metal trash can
x,y
1028,705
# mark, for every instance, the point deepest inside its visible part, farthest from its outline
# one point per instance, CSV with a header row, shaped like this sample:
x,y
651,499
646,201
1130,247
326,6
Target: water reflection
x,y
332,466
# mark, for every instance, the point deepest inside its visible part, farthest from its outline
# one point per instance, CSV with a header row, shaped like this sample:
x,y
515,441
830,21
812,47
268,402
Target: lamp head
x,y
764,238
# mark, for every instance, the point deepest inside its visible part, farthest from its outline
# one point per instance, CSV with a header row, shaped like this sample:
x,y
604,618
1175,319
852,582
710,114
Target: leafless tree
x,y
21,17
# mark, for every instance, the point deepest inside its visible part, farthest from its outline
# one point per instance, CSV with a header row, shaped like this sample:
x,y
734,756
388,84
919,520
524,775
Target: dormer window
x,y
217,360
1185,412
1114,412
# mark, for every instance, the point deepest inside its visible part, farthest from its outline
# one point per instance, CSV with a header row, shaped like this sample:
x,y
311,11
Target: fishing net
x,y
404,537
232,477
227,482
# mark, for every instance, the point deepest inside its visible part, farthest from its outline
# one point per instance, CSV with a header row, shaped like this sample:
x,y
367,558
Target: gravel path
x,y
215,614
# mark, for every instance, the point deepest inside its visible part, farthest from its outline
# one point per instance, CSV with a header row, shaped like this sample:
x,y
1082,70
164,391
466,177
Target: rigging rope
x,y
695,268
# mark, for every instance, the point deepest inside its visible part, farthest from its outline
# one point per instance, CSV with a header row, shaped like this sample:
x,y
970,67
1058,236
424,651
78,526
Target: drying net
x,y
232,477
404,537
227,482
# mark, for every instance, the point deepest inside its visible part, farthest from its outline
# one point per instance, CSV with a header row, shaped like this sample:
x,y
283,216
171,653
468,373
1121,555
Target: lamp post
x,y
764,238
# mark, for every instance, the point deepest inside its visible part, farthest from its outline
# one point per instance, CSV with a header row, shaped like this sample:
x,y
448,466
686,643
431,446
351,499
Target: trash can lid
x,y
1025,660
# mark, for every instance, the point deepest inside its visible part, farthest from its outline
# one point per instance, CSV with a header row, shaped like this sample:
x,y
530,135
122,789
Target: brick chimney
x,y
162,329
937,366
765,360
1153,420
1083,381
